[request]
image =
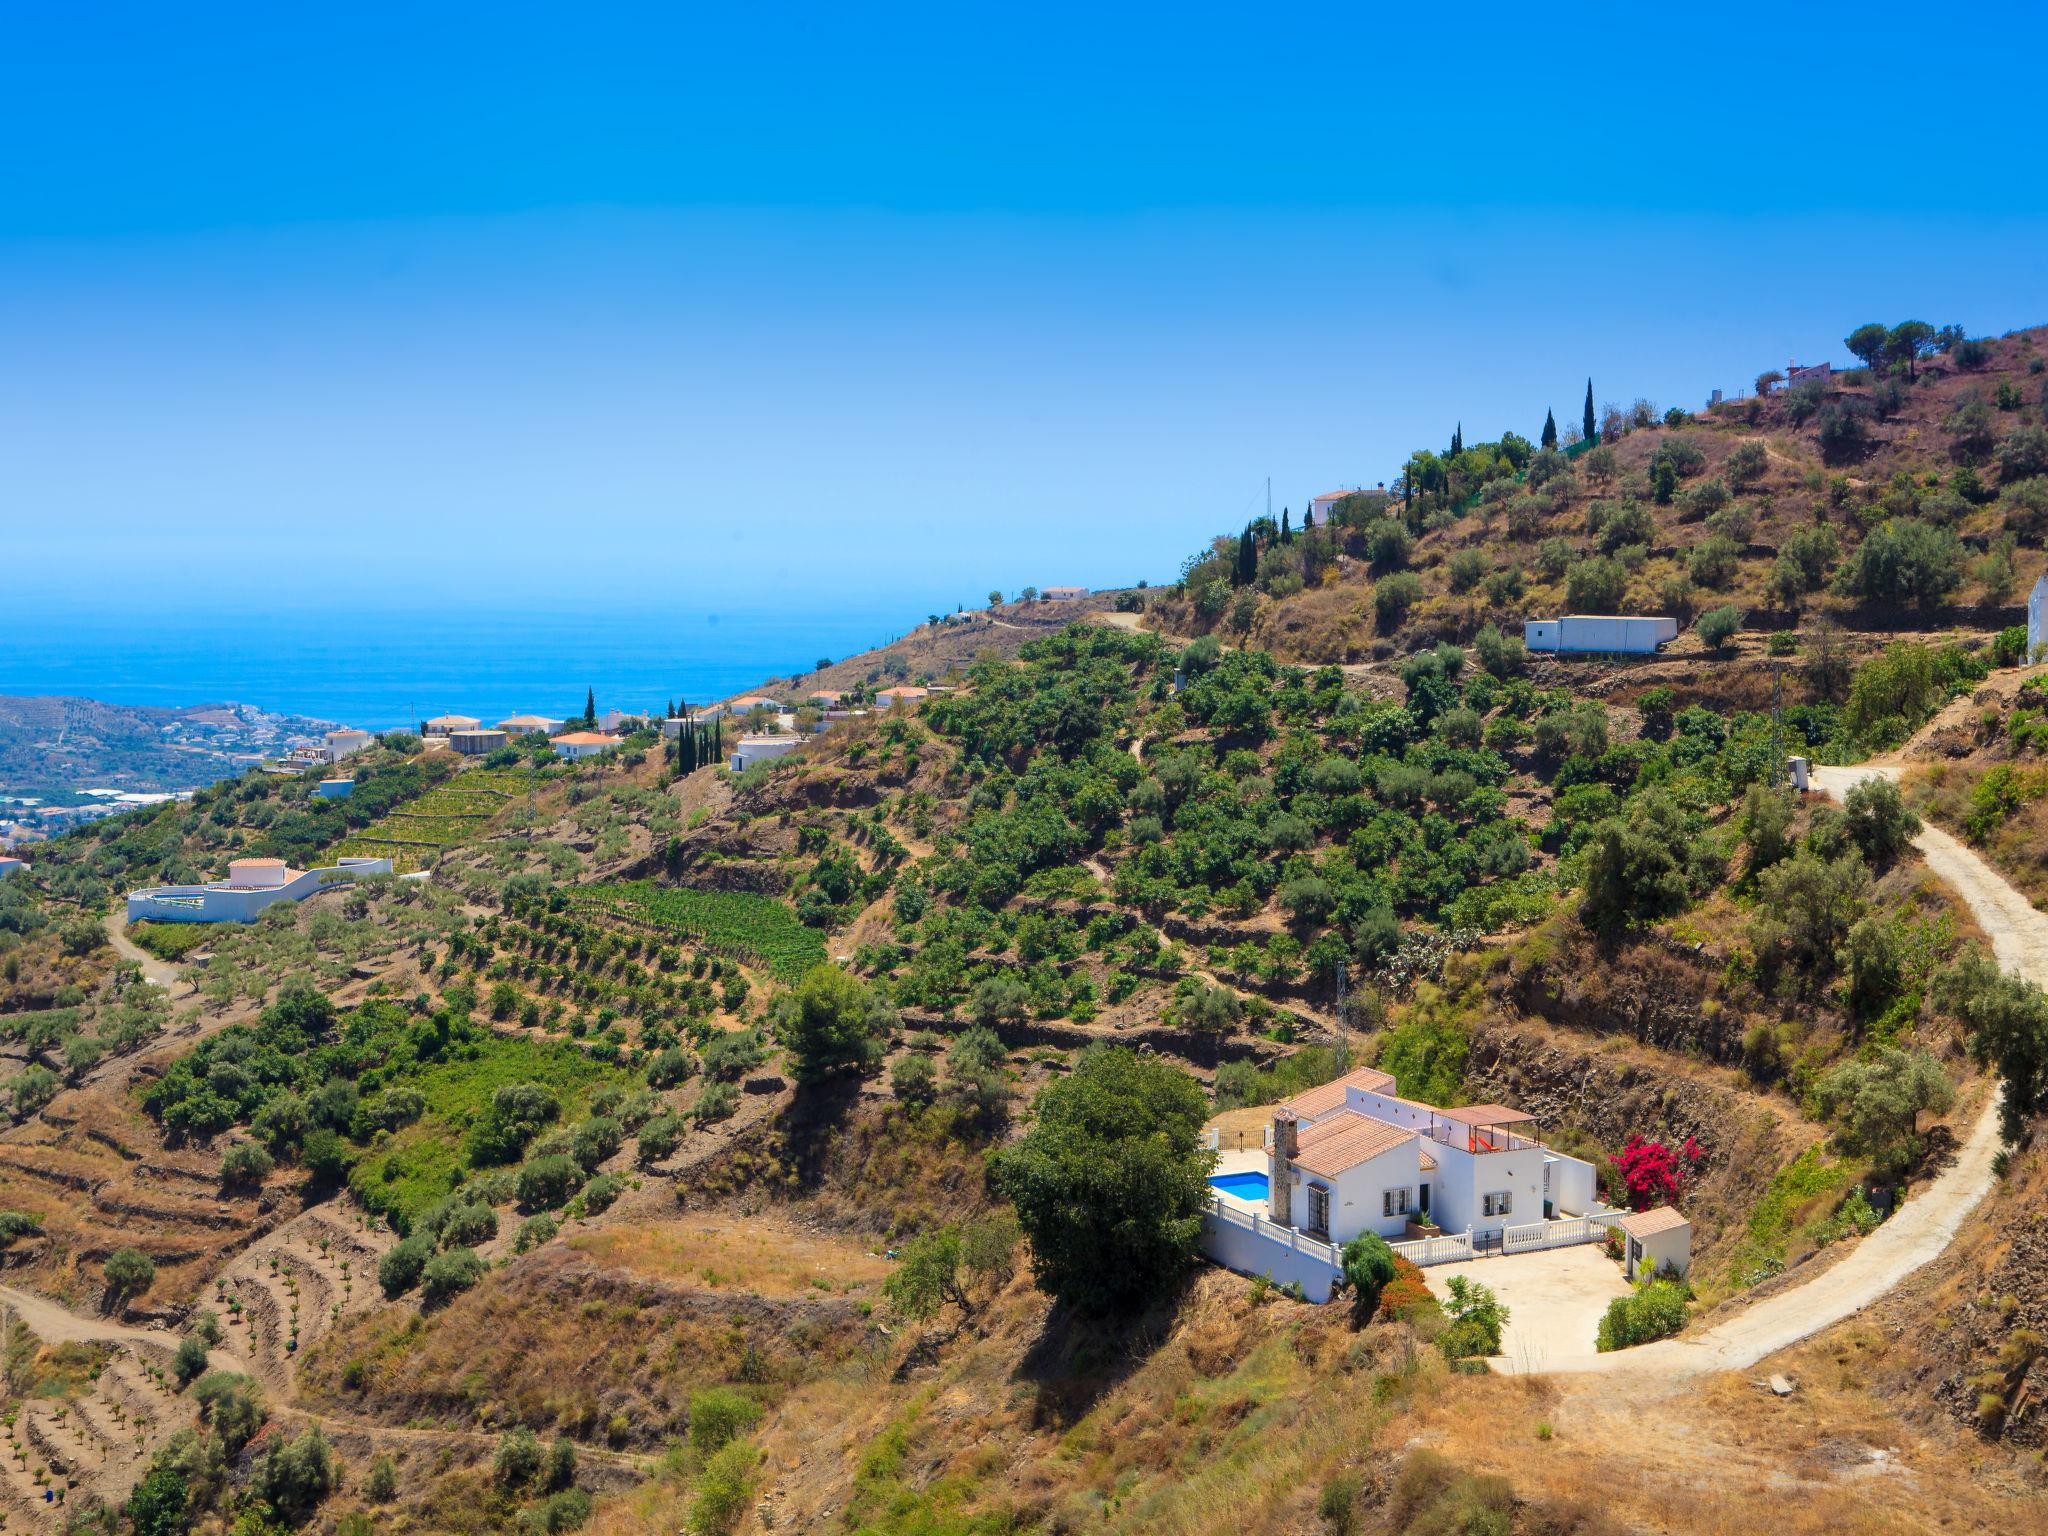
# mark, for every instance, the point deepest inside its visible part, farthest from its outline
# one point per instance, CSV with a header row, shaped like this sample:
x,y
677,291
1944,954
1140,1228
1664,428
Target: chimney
x,y
1280,1173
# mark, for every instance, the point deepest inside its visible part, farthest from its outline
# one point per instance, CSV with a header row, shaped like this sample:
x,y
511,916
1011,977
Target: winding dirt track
x,y
1925,1225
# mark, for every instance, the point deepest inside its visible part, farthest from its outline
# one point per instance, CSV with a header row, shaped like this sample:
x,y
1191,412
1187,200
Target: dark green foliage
x,y
1111,1180
1718,626
1903,561
1654,1310
189,1364
829,1022
1368,1265
2008,1020
1878,821
399,1270
548,1182
295,1475
128,1272
448,1275
158,1506
1650,864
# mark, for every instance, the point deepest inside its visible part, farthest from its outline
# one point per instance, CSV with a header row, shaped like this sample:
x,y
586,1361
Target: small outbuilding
x,y
334,789
759,749
446,725
1654,1241
1600,633
477,742
890,698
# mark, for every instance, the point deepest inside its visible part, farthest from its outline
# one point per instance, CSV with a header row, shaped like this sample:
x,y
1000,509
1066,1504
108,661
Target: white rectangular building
x,y
1621,634
759,749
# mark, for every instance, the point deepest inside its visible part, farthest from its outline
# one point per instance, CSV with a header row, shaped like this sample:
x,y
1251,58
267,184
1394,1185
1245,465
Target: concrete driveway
x,y
1555,1299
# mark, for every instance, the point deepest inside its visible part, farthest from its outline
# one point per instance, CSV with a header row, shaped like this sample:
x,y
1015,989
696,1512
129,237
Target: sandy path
x,y
1925,1225
161,972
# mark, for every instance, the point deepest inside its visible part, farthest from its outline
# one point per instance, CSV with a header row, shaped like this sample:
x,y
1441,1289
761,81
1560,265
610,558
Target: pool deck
x,y
1241,1160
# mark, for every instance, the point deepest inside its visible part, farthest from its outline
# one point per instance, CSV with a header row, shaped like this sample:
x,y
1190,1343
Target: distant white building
x,y
889,698
759,749
334,789
2037,618
530,725
478,742
1320,507
576,745
9,865
1061,594
251,885
346,742
443,725
1599,632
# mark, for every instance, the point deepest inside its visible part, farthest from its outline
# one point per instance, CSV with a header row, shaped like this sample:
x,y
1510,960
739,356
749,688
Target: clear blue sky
x,y
890,305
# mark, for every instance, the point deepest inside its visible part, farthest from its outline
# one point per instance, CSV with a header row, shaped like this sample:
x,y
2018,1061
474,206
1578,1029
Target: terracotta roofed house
x,y
442,725
529,725
901,694
575,745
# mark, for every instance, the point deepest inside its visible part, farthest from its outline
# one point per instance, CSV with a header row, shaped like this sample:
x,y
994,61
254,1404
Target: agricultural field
x,y
445,817
739,924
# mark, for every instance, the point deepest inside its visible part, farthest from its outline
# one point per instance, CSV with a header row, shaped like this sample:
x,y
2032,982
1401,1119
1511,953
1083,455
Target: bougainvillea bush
x,y
1654,1174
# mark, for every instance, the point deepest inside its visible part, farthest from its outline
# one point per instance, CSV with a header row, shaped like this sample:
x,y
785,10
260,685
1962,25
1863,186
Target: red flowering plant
x,y
1652,1173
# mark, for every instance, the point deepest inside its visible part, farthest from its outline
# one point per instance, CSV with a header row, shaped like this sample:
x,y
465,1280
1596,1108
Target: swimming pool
x,y
1244,1186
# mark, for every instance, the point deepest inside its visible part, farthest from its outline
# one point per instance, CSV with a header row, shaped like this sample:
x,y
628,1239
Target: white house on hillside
x,y
2037,618
1600,633
575,745
251,885
1320,507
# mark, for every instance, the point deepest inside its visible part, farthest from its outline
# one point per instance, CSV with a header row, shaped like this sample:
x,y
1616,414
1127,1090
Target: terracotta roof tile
x,y
1650,1223
1344,1141
1314,1103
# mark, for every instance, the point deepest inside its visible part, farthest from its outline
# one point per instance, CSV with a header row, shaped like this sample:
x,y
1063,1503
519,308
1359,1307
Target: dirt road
x,y
161,972
1926,1224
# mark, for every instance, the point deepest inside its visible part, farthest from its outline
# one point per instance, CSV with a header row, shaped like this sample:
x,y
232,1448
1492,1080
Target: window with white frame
x,y
1394,1202
1318,1208
1499,1204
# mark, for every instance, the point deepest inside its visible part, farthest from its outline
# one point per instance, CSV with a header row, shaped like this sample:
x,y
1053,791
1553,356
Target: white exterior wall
x,y
1357,1194
224,904
334,789
577,750
1648,1256
1265,1251
1624,633
1574,1185
759,749
342,744
2037,618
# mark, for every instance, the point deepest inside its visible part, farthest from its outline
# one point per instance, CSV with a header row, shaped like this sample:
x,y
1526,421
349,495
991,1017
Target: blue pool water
x,y
1245,1186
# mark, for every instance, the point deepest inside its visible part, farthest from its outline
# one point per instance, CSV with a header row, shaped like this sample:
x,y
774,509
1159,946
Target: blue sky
x,y
884,307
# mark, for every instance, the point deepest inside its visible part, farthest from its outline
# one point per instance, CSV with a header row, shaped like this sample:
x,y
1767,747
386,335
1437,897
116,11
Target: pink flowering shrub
x,y
1653,1174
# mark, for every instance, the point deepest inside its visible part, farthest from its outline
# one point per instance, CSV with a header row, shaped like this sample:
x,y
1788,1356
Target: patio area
x,y
1555,1298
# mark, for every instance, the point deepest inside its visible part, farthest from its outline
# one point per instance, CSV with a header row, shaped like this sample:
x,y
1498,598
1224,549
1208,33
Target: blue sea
x,y
381,670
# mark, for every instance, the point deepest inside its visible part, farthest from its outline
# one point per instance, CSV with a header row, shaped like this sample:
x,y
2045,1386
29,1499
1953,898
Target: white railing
x,y
1553,1234
1450,1248
1272,1231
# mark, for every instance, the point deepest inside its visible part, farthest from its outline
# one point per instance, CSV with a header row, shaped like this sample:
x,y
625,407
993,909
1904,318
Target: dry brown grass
x,y
752,1254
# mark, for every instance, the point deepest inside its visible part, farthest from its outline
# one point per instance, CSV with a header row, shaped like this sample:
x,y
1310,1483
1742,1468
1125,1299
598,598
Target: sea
x,y
382,670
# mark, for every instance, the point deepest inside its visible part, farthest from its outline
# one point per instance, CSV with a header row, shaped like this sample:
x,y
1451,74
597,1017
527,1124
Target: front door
x,y
1425,1199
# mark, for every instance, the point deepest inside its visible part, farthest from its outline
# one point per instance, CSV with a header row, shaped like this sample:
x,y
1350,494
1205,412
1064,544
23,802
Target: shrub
x,y
295,1475
658,1138
1388,544
724,1489
517,1458
1392,597
1654,1310
831,1021
1368,1266
1903,561
128,1272
601,1193
716,1102
448,1275
1878,821
1713,561
1717,626
382,1483
466,1225
1407,1296
1596,586
595,1140
189,1363
1477,1318
533,1232
399,1270
1467,569
719,1416
548,1182
1500,655
1652,1173
244,1163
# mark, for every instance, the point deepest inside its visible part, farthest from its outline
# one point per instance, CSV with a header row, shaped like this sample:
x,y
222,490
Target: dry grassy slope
x,y
1334,622
1944,766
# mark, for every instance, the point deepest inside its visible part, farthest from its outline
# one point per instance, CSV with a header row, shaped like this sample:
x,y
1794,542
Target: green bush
x,y
724,1489
601,1193
533,1232
1654,1310
448,1275
1368,1265
244,1163
1717,626
720,1415
547,1182
399,1270
128,1272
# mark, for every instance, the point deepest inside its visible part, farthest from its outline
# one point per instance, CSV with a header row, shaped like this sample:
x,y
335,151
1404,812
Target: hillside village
x,y
1335,1040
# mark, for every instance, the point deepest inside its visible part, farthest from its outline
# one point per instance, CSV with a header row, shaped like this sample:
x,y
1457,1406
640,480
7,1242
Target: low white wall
x,y
1256,1253
218,904
1574,1186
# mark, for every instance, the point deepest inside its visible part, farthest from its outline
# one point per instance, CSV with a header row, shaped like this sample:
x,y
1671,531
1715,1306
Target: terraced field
x,y
56,1450
458,812
282,1295
753,929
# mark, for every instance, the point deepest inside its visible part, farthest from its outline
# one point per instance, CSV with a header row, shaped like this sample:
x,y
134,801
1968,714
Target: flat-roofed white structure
x,y
530,725
759,749
1614,633
442,725
477,743
889,698
251,885
346,741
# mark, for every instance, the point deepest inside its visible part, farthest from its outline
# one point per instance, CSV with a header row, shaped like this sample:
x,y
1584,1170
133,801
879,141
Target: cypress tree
x,y
1457,440
1590,430
1247,557
590,707
1549,429
1286,533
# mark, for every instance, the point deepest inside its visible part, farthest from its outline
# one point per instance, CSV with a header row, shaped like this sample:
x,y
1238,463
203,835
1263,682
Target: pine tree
x,y
1549,429
1590,431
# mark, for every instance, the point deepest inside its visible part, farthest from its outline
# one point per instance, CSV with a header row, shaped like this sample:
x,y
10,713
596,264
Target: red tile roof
x,y
1642,1224
589,739
1486,1114
1344,1141
1314,1103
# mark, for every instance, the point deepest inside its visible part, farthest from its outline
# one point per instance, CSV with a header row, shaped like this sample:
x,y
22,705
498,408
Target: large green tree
x,y
1111,1180
2008,1020
1876,1104
830,1021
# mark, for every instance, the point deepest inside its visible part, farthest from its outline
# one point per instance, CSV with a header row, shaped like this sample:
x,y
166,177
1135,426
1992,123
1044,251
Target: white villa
x,y
530,725
1441,1185
903,693
345,742
442,725
758,749
251,885
576,745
